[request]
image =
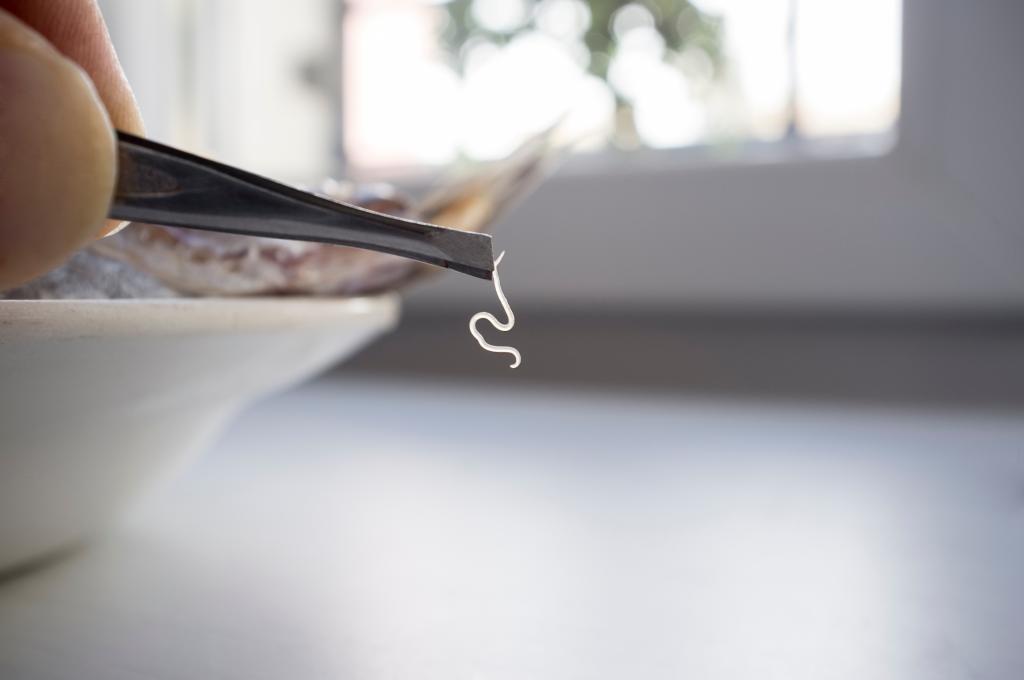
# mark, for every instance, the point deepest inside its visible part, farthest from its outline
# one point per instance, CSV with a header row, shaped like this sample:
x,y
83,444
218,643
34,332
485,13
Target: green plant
x,y
680,23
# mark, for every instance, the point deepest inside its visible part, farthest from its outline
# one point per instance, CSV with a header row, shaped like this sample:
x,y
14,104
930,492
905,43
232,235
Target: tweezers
x,y
163,185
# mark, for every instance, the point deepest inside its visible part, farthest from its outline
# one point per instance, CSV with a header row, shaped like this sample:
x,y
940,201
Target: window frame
x,y
932,223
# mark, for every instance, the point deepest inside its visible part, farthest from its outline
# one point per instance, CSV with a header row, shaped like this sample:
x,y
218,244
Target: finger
x,y
77,29
57,155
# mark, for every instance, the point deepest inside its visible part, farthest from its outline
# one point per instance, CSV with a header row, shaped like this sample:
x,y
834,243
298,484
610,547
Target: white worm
x,y
503,327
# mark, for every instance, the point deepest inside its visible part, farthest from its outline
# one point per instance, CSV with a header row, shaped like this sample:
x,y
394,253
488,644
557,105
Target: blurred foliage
x,y
680,23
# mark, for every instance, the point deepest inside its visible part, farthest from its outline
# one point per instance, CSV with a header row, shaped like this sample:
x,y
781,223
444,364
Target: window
x,y
384,87
427,83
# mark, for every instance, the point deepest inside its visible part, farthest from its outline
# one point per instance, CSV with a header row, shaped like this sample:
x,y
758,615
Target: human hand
x,y
62,93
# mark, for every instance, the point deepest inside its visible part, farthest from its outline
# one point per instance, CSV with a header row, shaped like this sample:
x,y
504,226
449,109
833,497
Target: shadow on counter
x,y
964,360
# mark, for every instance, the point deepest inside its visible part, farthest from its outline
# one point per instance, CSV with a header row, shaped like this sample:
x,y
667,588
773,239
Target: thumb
x,y
57,155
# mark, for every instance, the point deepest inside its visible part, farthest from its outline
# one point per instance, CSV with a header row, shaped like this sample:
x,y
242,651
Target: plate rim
x,y
188,316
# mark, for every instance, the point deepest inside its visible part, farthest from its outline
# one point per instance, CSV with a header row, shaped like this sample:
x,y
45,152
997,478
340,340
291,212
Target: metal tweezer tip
x,y
164,185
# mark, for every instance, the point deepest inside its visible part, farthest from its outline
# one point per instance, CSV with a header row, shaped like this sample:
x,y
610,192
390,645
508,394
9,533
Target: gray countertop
x,y
372,529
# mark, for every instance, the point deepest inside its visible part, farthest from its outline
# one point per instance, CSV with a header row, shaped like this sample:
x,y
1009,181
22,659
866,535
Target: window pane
x,y
430,82
848,75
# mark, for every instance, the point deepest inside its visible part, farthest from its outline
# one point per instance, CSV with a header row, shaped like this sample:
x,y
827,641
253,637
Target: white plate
x,y
99,399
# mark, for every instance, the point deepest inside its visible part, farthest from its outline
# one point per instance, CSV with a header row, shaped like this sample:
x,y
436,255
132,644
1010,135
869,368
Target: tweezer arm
x,y
163,185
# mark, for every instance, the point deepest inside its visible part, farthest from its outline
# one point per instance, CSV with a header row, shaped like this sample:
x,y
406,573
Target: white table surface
x,y
362,530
